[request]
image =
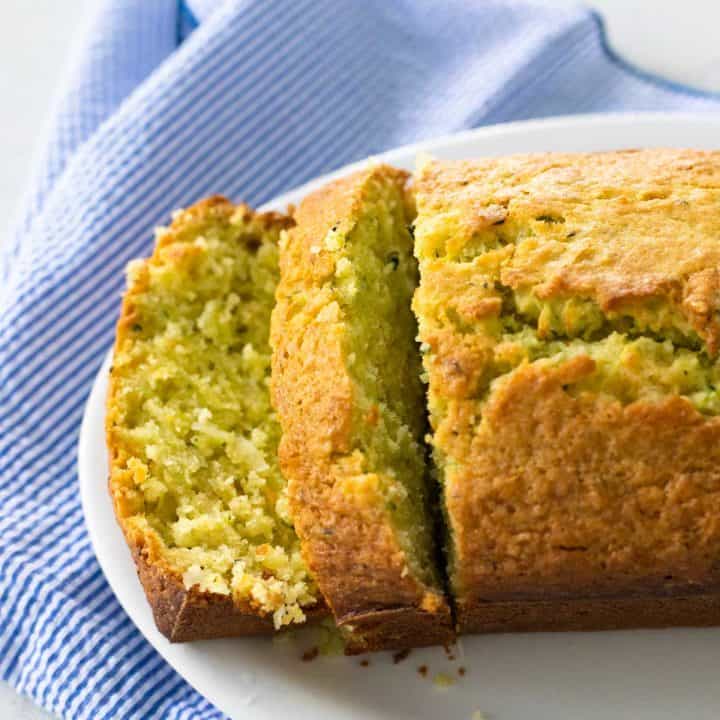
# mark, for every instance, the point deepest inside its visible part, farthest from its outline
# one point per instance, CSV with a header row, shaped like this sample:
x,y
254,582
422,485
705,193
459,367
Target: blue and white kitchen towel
x,y
169,101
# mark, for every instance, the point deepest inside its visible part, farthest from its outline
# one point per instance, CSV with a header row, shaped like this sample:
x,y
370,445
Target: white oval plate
x,y
588,676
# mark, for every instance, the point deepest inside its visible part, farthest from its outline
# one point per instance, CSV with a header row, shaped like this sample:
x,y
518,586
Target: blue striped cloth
x,y
168,102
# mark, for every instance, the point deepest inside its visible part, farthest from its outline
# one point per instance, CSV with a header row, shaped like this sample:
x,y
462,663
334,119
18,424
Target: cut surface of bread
x,y
346,386
569,313
192,436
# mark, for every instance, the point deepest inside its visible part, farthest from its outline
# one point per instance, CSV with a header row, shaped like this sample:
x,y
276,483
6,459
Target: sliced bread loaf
x,y
346,384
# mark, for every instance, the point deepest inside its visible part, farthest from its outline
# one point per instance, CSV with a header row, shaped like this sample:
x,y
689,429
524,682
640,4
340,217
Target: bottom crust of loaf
x,y
184,615
599,613
398,629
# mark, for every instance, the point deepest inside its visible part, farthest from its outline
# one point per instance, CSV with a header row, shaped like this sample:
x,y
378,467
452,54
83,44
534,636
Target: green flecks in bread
x,y
190,422
375,276
346,382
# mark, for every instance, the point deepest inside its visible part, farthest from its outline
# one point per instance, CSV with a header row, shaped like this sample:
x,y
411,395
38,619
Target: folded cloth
x,y
169,101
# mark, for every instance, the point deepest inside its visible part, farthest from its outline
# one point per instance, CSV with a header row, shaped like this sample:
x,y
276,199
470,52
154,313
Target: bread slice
x,y
346,386
569,314
192,436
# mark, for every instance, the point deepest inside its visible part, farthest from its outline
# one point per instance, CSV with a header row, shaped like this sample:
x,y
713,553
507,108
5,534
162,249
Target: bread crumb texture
x,y
569,318
193,437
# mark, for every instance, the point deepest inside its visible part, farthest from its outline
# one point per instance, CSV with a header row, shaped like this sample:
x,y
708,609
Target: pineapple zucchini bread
x,y
346,384
192,436
569,314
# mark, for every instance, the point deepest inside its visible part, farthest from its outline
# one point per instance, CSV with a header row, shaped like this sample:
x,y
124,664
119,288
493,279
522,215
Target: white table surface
x,y
675,39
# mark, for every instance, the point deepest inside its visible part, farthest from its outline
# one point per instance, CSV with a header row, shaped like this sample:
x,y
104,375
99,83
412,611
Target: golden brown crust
x,y
184,615
562,494
616,227
181,614
348,542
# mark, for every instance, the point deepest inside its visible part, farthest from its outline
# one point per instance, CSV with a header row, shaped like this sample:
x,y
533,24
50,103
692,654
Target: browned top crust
x,y
348,541
615,227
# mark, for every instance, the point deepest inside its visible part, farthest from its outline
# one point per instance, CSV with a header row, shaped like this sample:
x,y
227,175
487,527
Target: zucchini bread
x,y
568,312
346,384
192,436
